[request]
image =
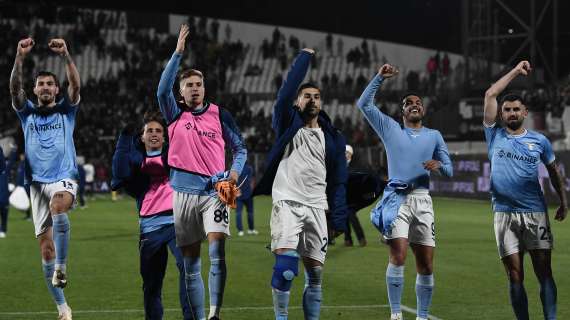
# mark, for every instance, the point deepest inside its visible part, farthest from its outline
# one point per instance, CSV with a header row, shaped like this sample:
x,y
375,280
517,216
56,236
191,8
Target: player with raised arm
x,y
50,154
520,213
199,131
405,214
306,176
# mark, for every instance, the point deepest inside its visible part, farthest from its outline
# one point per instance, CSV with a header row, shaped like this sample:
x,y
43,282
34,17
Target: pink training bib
x,y
159,195
196,142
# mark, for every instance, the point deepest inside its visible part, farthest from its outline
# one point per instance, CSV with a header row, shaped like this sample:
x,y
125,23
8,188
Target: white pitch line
x,y
369,306
412,310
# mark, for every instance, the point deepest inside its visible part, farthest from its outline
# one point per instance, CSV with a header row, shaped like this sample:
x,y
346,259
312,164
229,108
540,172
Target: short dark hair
x,y
154,115
512,97
190,72
44,73
307,85
410,93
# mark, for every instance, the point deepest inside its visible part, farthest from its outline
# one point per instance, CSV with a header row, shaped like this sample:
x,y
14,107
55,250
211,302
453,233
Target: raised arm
x,y
58,46
16,78
282,110
124,157
490,108
378,120
166,99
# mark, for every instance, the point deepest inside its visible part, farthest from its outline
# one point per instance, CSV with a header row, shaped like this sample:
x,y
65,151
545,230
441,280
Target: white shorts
x,y
415,220
517,232
41,195
299,227
195,216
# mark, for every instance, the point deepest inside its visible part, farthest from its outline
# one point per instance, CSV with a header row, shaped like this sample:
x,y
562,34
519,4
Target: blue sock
x,y
194,286
313,293
280,303
217,276
60,239
424,292
519,301
548,298
395,285
56,293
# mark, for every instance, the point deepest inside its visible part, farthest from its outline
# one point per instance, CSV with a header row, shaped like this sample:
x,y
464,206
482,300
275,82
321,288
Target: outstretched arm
x,y
166,99
16,78
490,109
558,183
58,46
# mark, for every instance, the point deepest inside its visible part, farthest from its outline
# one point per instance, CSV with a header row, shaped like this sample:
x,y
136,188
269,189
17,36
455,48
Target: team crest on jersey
x,y
531,146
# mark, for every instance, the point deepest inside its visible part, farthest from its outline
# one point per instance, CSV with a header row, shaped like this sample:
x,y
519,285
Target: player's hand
x,y
432,165
25,46
523,68
184,31
561,213
58,46
388,71
234,177
309,50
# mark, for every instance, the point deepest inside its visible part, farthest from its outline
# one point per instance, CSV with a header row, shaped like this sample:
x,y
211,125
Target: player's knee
x,y
285,269
398,259
425,269
47,250
192,250
314,276
60,204
515,275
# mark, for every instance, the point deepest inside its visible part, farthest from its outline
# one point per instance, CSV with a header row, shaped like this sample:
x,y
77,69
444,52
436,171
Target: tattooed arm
x,y
16,78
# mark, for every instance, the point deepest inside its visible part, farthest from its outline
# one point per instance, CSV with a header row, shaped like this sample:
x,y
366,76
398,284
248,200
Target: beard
x,y
45,101
311,111
514,124
414,118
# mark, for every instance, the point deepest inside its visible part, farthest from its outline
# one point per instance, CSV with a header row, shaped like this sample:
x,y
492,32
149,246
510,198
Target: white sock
x,y
62,307
214,311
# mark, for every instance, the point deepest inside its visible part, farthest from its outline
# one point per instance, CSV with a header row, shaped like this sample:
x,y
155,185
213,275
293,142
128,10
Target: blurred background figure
x,y
81,182
247,182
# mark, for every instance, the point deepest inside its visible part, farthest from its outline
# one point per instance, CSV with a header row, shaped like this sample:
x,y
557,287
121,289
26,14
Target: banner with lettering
x,y
471,178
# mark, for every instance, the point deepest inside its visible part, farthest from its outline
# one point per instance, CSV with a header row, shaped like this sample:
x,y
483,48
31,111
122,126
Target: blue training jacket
x,y
127,162
286,122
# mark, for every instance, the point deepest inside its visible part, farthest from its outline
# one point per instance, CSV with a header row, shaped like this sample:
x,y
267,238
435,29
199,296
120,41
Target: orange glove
x,y
227,192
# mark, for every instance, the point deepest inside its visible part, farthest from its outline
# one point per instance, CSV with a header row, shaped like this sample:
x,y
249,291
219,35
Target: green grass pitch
x,y
104,280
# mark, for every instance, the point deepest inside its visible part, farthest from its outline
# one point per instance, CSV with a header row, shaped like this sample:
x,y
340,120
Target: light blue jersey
x,y
48,137
514,169
407,149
